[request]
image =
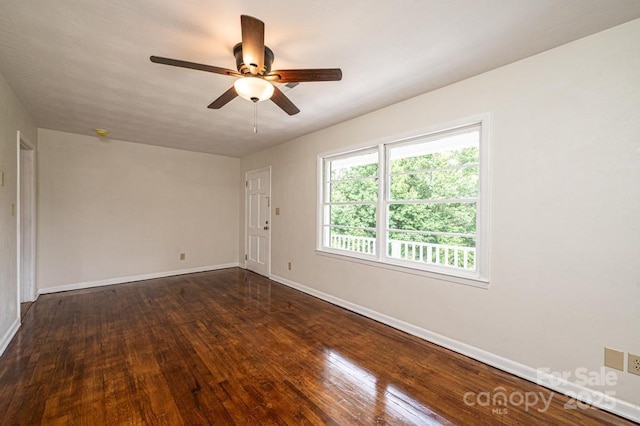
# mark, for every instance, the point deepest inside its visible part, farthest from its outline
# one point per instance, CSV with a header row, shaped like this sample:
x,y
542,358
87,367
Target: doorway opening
x,y
26,220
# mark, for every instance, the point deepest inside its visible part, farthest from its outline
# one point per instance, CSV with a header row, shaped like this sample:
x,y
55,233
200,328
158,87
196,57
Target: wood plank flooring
x,y
231,347
24,308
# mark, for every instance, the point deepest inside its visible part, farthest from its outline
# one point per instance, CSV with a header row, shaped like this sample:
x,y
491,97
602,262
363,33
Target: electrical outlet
x,y
614,359
183,256
289,265
633,364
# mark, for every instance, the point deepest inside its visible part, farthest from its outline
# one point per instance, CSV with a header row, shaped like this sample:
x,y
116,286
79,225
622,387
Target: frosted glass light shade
x,y
253,89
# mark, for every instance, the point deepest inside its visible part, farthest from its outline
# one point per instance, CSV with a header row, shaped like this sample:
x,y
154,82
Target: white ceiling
x,y
82,64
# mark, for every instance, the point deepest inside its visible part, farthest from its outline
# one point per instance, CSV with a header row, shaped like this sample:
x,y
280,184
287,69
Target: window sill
x,y
472,282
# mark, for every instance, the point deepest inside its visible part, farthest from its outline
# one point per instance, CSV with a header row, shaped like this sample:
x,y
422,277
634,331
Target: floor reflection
x,y
361,388
257,292
349,378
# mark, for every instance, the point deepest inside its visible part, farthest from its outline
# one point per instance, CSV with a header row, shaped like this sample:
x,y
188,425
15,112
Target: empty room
x,y
319,212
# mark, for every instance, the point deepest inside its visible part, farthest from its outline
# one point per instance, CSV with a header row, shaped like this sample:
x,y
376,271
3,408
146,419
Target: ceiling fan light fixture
x,y
253,89
254,75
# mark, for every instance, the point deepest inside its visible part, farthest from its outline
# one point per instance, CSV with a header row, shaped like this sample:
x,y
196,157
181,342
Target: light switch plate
x,y
614,359
1,178
277,211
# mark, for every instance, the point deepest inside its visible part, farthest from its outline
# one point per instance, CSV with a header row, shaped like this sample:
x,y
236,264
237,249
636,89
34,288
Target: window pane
x,y
355,240
457,252
446,152
359,215
446,217
441,184
354,190
354,167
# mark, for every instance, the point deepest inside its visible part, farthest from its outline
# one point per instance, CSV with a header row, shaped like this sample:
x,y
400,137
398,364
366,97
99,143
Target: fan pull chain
x,y
255,117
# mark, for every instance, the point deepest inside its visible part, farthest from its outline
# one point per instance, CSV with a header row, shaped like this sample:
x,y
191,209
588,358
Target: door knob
x,y
266,228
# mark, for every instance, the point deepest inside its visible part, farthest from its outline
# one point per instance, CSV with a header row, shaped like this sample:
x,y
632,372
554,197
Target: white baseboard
x,y
121,280
6,339
598,399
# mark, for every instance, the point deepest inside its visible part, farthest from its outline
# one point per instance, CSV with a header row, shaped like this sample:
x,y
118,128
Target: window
x,y
350,210
418,202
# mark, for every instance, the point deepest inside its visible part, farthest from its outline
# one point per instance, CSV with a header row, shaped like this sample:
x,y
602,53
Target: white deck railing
x,y
364,245
436,254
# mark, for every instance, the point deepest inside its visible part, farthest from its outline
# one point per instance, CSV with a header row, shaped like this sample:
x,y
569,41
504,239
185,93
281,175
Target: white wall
x,y
565,165
13,117
109,209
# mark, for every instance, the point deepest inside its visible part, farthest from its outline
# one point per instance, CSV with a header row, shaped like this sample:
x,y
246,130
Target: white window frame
x,y
326,189
477,278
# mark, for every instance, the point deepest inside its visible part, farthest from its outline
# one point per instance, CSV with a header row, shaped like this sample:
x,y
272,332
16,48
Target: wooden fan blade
x,y
252,43
193,66
288,76
283,102
224,98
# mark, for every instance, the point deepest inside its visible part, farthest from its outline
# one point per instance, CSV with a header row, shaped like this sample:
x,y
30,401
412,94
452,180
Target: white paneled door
x,y
258,223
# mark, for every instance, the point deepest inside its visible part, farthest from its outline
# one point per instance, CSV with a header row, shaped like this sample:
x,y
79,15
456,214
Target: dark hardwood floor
x,y
24,308
229,347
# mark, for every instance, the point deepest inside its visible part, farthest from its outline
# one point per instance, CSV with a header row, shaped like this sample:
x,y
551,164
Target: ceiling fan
x,y
254,76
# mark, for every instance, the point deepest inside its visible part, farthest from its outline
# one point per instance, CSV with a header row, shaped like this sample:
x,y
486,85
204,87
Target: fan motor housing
x,y
244,69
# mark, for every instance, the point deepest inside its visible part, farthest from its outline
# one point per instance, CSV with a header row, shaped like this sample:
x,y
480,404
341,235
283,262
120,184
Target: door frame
x,y
246,216
25,148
